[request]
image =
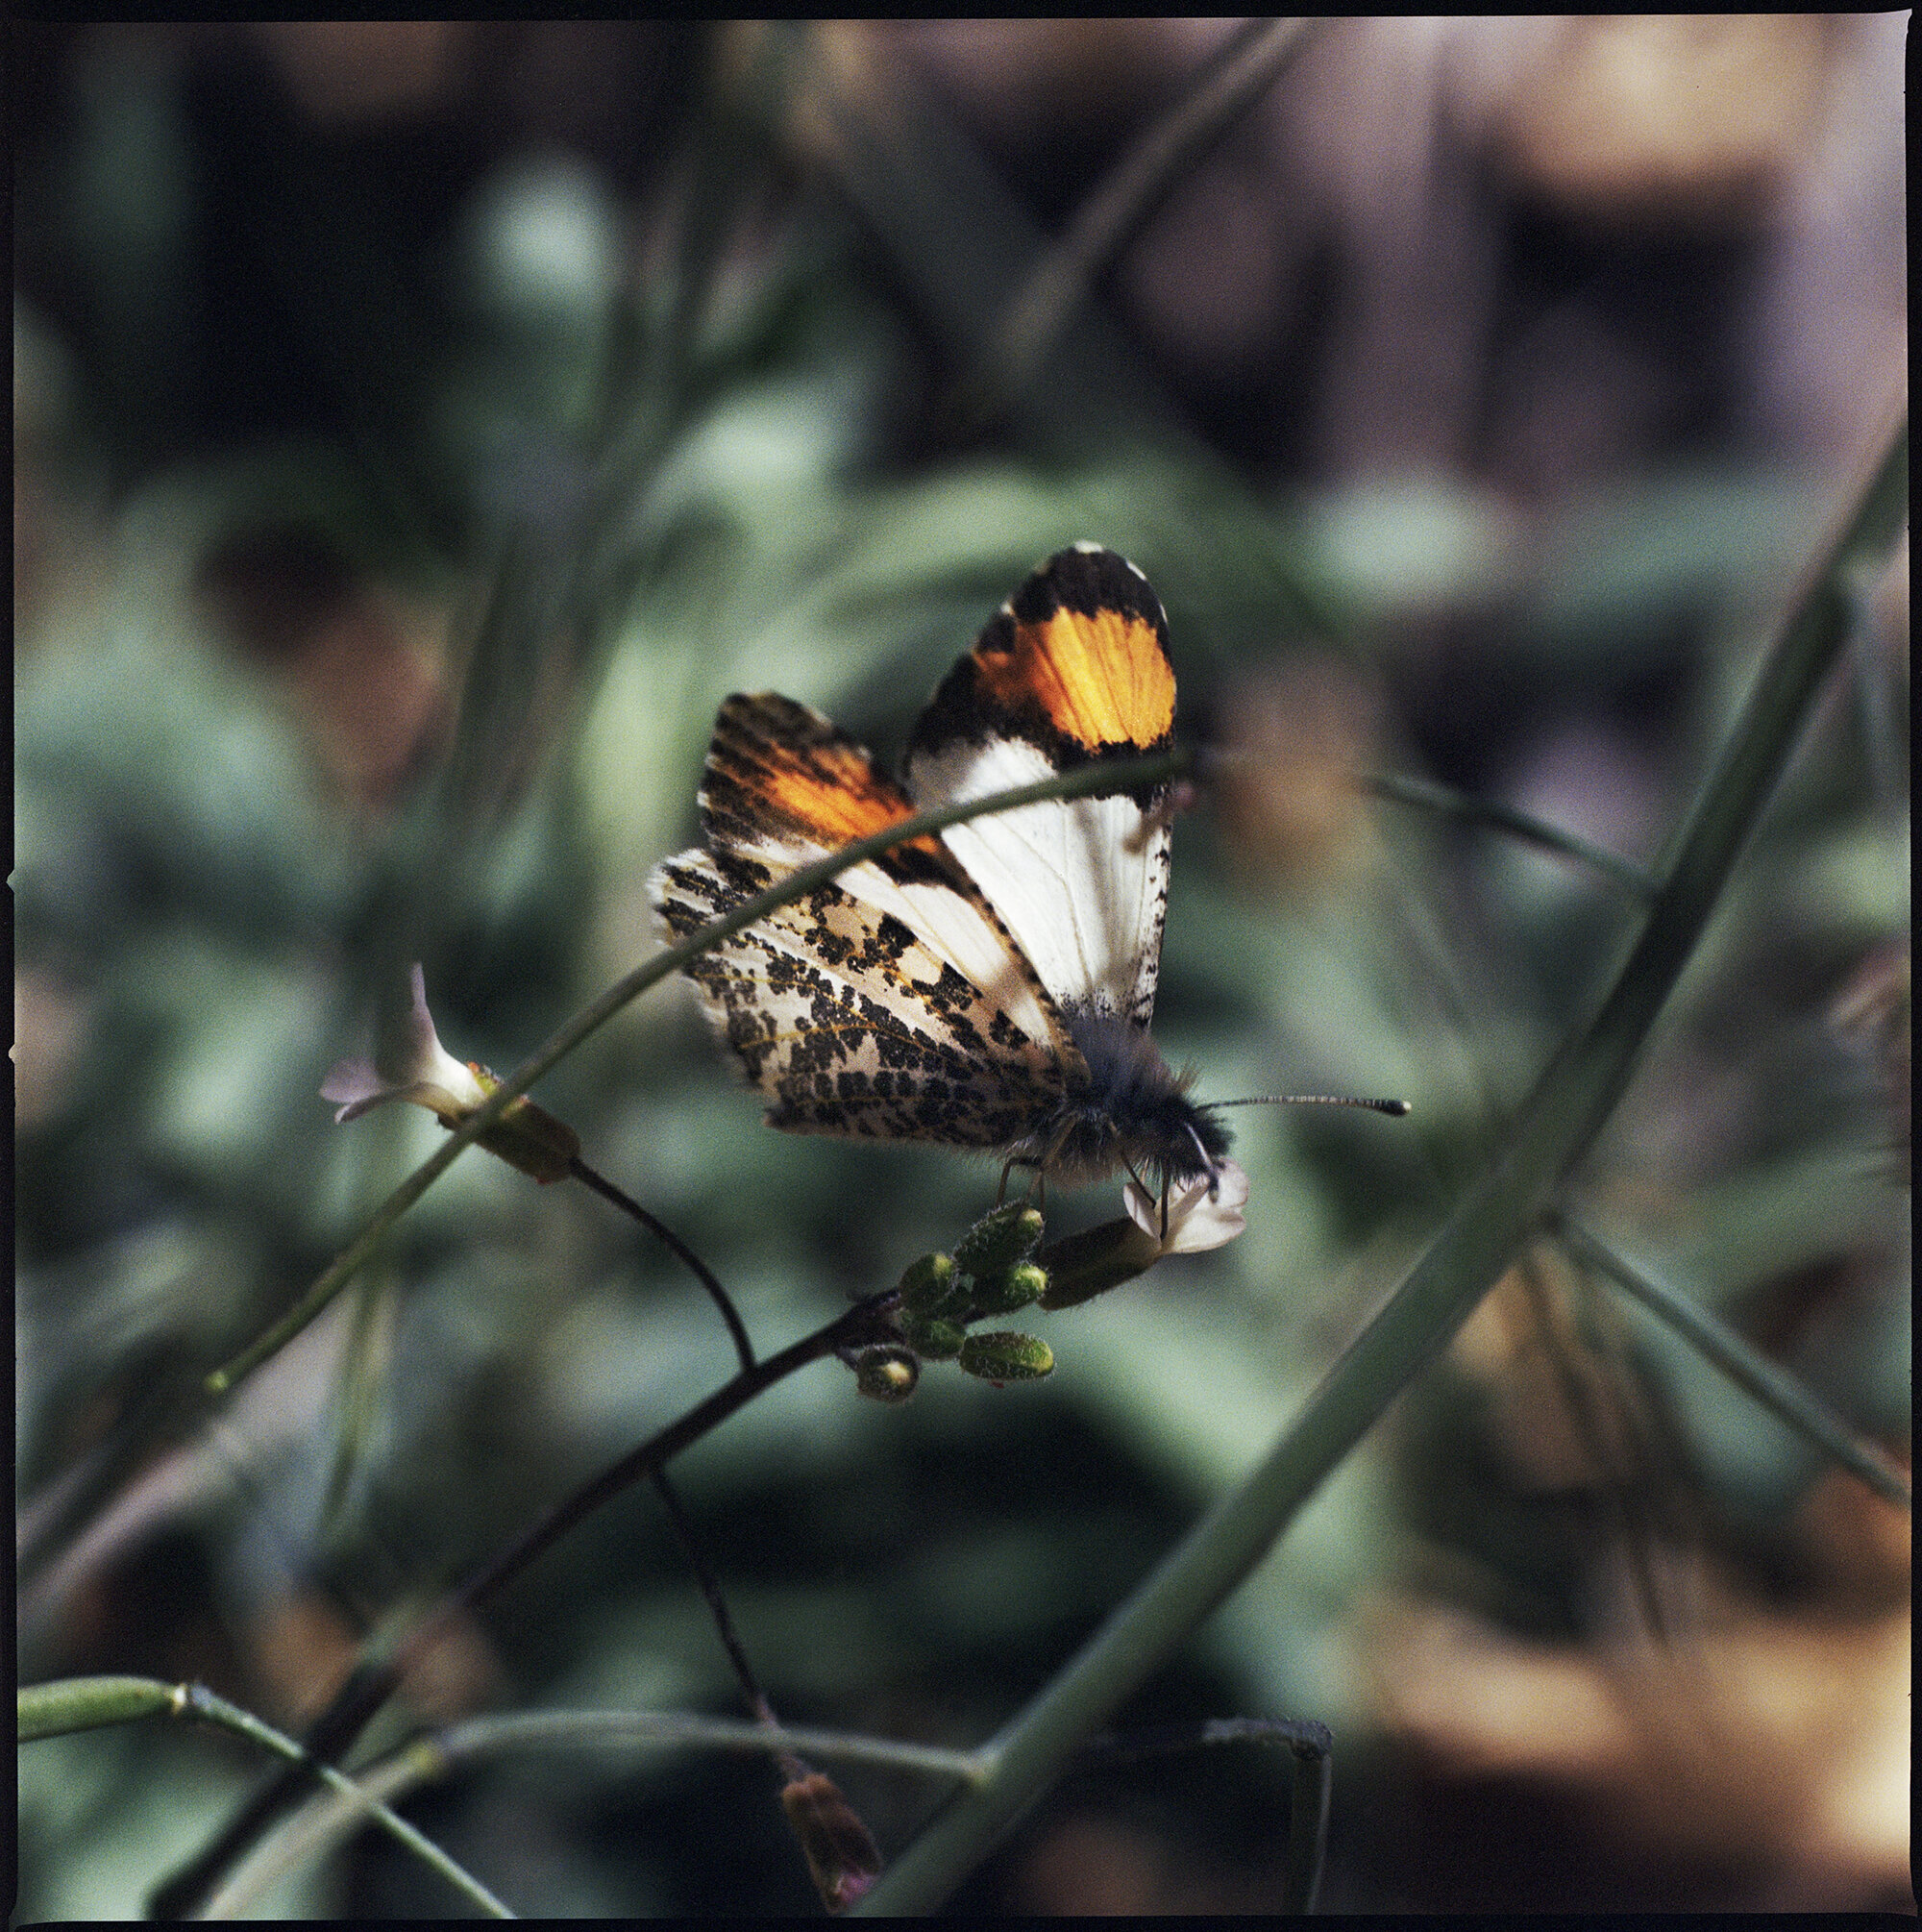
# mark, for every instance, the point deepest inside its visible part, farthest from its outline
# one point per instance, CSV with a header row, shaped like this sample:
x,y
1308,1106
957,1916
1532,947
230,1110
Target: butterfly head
x,y
1131,1110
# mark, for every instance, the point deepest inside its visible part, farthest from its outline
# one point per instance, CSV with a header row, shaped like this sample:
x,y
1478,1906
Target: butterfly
x,y
990,988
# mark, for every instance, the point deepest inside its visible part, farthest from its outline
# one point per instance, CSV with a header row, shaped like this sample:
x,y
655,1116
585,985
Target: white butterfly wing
x,y
1075,667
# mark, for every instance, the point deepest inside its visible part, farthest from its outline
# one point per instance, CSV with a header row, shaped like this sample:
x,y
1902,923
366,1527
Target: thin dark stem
x,y
676,1246
1310,1792
1780,1394
758,1707
1618,1481
860,1322
1153,1741
375,1682
683,1529
710,1589
1309,1744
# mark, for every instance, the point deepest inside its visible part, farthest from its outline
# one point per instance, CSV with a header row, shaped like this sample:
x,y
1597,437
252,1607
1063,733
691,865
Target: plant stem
x,y
723,1623
1505,818
320,1825
375,1682
1310,1745
85,1703
677,1248
1781,1394
1232,81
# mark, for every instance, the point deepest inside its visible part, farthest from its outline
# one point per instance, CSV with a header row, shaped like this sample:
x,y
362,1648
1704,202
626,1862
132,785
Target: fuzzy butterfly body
x,y
991,988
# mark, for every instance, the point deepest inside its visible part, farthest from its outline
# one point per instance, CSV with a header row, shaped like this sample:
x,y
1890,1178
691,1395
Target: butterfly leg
x,y
1037,1187
1143,1185
1214,1172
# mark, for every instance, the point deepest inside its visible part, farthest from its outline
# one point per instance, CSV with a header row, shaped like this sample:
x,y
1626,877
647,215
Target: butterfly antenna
x,y
1394,1108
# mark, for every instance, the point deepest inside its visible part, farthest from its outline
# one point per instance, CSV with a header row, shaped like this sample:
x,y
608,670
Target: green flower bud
x,y
928,1286
886,1373
1091,1263
997,1241
1021,1284
1005,1356
932,1339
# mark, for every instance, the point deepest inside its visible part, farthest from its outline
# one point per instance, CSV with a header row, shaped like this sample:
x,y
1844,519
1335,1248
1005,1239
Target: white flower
x,y
1195,1222
421,1070
410,1064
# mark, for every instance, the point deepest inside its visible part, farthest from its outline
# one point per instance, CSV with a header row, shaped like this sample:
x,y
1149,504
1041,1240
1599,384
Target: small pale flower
x,y
1195,1222
1100,1258
422,1071
419,1069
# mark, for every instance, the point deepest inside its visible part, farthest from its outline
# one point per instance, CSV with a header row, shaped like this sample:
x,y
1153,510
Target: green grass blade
x,y
1570,1100
85,1703
1444,799
1232,82
1751,1372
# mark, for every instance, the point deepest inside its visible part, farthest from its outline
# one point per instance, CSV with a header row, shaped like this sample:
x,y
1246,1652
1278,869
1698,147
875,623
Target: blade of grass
x,y
325,1822
1232,81
1780,1394
1572,1098
566,1730
1505,818
960,237
359,1405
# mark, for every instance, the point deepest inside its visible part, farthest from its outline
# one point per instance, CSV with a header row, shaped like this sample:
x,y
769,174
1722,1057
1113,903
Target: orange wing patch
x,y
779,770
1099,679
1076,663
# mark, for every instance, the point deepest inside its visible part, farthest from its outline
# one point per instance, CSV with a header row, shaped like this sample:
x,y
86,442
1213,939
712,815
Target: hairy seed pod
x,y
1006,1356
997,1241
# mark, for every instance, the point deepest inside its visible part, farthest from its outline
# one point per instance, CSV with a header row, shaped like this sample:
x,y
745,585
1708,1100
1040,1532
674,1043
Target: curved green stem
x,y
85,1704
1446,799
1780,1394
